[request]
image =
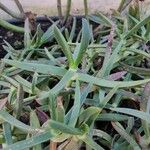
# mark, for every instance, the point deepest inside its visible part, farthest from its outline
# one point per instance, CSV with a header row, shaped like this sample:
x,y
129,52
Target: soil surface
x,y
16,39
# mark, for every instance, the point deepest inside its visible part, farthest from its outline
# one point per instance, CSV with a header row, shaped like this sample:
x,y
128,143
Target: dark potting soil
x,y
16,39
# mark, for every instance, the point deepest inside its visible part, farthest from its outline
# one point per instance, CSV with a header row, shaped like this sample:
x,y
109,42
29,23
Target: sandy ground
x,y
48,7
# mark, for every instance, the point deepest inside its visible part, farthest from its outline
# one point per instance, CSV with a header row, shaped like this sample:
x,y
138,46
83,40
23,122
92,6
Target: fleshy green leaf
x,y
34,122
112,117
72,33
135,113
126,136
86,36
60,110
89,141
110,84
64,128
137,26
48,35
59,86
28,143
76,106
10,119
87,114
7,133
36,67
63,43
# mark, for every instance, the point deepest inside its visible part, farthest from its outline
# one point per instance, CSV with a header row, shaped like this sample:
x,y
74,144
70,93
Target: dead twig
x,y
20,7
10,12
86,7
68,9
59,8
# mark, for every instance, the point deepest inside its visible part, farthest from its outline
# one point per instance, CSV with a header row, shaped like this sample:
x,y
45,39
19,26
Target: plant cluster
x,y
64,84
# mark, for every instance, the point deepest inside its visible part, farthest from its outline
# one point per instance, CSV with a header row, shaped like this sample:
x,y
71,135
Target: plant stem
x,y
59,8
11,27
123,5
11,13
68,9
19,6
85,7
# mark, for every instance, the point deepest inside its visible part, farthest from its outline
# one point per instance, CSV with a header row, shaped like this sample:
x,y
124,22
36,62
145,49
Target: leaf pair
x,y
74,62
